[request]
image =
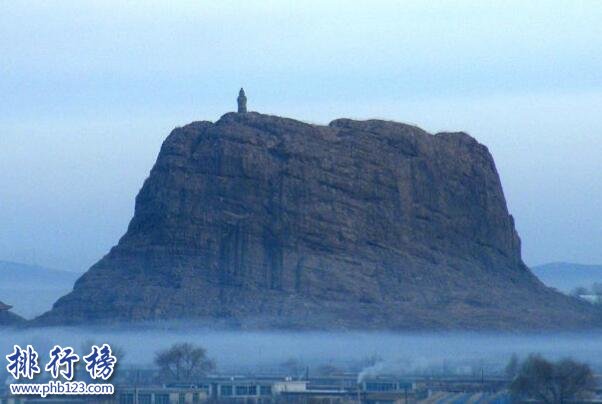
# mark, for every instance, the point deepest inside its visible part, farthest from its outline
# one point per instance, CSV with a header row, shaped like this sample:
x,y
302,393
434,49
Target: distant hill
x,y
7,318
32,290
566,276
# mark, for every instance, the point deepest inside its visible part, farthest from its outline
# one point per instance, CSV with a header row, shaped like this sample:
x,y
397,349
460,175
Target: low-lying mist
x,y
255,351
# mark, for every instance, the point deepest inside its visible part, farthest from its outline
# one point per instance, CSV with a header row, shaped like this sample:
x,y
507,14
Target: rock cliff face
x,y
258,220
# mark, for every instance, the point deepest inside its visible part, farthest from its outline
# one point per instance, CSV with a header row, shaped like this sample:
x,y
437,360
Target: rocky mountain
x,y
263,221
7,318
566,276
32,289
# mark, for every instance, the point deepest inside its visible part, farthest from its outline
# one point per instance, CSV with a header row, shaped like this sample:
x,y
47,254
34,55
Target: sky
x,y
89,90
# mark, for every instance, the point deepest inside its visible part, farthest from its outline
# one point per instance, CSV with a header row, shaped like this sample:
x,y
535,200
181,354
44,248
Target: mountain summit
x,y
263,221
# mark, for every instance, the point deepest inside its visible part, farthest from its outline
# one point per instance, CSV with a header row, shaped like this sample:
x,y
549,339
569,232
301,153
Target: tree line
x,y
537,379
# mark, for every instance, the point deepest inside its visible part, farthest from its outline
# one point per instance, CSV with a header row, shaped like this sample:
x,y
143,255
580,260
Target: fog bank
x,y
250,351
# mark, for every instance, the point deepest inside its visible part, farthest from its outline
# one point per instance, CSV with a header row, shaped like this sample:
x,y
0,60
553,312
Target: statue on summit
x,y
242,102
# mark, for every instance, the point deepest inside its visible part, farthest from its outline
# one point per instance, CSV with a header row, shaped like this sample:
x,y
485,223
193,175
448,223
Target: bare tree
x,y
552,382
183,363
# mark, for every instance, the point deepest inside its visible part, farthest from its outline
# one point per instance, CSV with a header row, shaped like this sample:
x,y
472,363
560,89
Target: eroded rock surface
x,y
265,221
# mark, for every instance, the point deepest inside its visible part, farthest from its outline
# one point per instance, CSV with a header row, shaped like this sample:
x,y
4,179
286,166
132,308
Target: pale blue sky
x,y
88,91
